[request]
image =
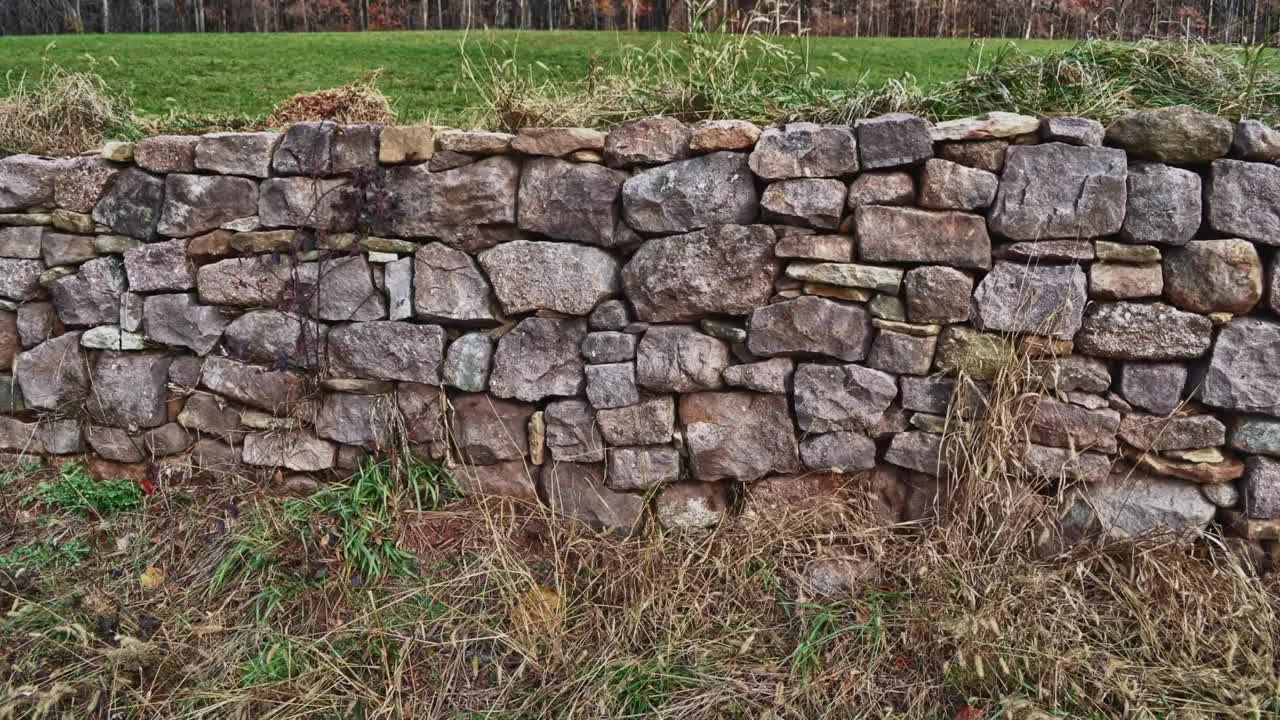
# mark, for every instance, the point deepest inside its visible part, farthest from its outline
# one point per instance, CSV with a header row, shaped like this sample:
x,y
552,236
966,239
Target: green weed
x,y
76,490
18,472
279,661
45,555
641,688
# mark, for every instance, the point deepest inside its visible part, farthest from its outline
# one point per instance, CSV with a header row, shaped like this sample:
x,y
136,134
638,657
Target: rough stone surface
x,y
360,420
92,295
572,433
807,202
324,204
893,140
838,452
54,374
937,294
159,267
1261,488
1043,300
1072,130
882,188
237,153
1208,276
1163,205
467,363
981,154
805,150
246,282
539,358
692,506
27,181
908,235
59,249
181,321
738,436
1180,432
990,126
488,430
571,201
901,353
271,337
714,135
557,142
577,490
680,359
196,204
445,205
829,398
1122,281
1131,504
131,204
386,350
715,189
810,325
612,385
402,144
20,279
945,185
296,451
1255,141
81,182
1244,370
728,270
1059,424
448,287
513,479
1136,331
918,451
1060,191
1154,387
1256,435
642,468
1243,200
562,277
276,391
647,141
1063,465
767,376
648,422
129,390
1179,135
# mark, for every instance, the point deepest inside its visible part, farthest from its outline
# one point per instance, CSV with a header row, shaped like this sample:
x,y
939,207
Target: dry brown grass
x,y
60,113
513,613
357,102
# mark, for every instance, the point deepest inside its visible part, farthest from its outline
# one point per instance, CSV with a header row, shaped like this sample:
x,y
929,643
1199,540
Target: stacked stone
x,y
637,322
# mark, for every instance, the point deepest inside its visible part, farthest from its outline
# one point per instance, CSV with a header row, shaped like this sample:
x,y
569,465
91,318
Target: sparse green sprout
x,y
76,490
45,555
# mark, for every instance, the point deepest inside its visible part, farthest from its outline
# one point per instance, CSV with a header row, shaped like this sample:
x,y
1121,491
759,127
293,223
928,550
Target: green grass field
x,y
422,72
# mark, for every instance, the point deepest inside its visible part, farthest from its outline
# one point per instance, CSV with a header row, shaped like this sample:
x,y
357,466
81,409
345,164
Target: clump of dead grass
x,y
60,113
356,102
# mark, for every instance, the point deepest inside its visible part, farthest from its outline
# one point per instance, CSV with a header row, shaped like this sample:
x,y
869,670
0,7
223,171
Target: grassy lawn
x,y
422,72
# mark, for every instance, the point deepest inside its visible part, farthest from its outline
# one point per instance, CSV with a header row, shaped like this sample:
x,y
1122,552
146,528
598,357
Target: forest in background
x,y
1225,21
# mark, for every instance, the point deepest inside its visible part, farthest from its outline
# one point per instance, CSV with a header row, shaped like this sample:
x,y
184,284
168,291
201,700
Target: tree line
x,y
1228,21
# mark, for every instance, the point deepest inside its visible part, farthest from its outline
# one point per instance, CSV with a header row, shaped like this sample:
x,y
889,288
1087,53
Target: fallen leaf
x,y
152,578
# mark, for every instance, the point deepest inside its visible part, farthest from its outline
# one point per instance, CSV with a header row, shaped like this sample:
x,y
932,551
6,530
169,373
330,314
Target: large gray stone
x,y
1255,141
276,391
1060,191
612,385
1039,299
647,141
539,358
577,490
945,185
1209,276
938,294
129,389
278,339
769,376
1256,435
425,411
297,451
81,182
995,124
649,422
810,325
692,505
571,201
1244,369
642,468
360,420
181,321
829,398
838,452
305,149
918,451
27,181
61,249
805,202
1072,130
893,140
727,270
386,350
1059,424
1132,503
344,291
237,153
713,135
1123,281
805,150
53,375
1261,488
882,188
1179,135
166,153
572,432
131,204
1163,206
902,353
92,296
488,430
738,436
1154,387
448,287
1138,331
512,479
1180,432
1243,200
676,358
159,267
21,242
714,189
247,282
332,204
562,277
467,362
908,235
19,278
557,141
443,205
195,204
1065,465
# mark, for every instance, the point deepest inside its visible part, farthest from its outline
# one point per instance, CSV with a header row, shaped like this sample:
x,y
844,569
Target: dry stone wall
x,y
664,319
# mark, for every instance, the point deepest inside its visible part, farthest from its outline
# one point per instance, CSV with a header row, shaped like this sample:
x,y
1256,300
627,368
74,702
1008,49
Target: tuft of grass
x,y
77,491
45,555
59,112
357,102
